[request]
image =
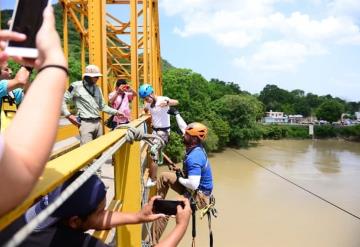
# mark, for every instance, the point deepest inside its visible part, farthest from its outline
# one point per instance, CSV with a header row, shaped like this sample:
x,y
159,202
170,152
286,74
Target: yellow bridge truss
x,y
128,49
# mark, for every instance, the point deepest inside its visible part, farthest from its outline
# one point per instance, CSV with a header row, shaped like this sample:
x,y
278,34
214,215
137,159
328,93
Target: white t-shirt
x,y
160,117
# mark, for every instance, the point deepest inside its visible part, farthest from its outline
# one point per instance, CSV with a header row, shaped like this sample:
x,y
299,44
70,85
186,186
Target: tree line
x,y
231,114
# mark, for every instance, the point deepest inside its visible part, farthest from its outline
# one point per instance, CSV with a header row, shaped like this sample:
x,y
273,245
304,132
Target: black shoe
x,y
173,111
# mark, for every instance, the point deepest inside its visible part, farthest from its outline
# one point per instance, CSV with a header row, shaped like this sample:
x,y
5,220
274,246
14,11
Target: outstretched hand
x,y
146,214
183,214
6,35
47,42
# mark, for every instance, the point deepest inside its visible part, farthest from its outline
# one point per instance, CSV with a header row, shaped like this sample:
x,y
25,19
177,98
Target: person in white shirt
x,y
158,107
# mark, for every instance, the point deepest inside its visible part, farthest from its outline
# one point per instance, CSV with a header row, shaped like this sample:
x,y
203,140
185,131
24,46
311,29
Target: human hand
x,y
124,88
183,214
6,35
178,174
119,114
164,104
146,214
73,120
22,77
48,43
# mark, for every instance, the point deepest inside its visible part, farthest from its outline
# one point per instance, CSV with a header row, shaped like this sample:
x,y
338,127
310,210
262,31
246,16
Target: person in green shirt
x,y
89,101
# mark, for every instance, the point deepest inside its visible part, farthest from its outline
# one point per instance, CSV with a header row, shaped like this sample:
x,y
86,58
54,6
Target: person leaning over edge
x,y
89,101
85,210
26,144
158,107
197,173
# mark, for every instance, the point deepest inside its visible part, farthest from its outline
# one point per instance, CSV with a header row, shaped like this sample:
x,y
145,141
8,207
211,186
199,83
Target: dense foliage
x,y
297,102
231,114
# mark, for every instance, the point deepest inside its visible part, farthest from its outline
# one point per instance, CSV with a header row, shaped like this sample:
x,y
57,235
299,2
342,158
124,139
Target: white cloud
x,y
279,55
260,25
350,8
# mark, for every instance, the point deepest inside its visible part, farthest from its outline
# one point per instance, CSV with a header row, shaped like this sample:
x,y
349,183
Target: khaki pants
x,y
168,180
90,130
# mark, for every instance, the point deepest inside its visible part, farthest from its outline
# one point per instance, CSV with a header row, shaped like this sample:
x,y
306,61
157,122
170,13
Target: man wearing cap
x,y
89,101
84,210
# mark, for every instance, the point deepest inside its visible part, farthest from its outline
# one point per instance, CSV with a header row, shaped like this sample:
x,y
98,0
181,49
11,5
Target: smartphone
x,y
27,19
167,207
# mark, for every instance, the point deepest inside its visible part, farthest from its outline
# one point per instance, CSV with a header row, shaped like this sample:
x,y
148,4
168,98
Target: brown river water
x,y
259,208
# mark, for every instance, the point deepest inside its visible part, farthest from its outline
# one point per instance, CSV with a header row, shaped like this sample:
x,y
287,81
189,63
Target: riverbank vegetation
x,y
231,114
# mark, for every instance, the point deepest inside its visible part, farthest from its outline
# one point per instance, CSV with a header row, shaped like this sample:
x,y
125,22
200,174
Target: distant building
x,y
357,115
296,118
275,117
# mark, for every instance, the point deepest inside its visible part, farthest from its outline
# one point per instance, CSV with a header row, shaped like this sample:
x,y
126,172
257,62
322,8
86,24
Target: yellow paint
x,y
146,39
66,131
134,54
104,42
60,169
128,190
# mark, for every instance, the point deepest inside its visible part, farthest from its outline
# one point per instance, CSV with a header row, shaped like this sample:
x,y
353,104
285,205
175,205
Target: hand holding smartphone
x,y
27,19
167,207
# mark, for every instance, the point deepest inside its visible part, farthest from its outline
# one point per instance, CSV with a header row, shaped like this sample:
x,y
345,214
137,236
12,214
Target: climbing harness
x,y
208,209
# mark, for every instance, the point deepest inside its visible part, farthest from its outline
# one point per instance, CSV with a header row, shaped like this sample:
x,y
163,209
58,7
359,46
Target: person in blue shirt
x,y
195,180
13,87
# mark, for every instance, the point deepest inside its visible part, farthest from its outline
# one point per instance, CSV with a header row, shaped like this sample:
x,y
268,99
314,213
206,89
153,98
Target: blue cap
x,y
82,203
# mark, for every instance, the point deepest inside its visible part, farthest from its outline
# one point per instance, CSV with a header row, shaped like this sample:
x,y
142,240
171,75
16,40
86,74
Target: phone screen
x,y
28,20
167,207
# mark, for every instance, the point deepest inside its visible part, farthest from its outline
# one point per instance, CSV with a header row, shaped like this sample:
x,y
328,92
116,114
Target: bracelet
x,y
55,66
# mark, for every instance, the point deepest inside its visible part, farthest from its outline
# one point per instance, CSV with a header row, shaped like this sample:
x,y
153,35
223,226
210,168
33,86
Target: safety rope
x,y
32,224
299,186
132,135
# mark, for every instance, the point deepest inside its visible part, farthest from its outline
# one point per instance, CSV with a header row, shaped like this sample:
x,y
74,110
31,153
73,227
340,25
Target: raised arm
x,y
29,139
107,219
20,80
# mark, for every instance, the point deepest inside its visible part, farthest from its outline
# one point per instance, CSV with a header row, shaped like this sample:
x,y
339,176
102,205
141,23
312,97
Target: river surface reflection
x,y
258,208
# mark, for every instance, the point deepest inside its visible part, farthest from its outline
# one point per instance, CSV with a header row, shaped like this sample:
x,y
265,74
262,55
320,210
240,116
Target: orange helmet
x,y
197,129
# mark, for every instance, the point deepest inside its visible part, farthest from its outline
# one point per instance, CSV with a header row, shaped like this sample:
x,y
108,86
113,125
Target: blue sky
x,y
313,45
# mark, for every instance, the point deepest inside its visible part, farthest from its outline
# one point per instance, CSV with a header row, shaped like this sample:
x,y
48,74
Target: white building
x,y
275,117
296,118
357,115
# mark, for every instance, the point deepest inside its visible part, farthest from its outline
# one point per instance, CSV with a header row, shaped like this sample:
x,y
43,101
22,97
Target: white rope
x,y
133,134
30,226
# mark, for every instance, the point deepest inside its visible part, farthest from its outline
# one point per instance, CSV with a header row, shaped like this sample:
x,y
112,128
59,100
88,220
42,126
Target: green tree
x,y
330,110
241,112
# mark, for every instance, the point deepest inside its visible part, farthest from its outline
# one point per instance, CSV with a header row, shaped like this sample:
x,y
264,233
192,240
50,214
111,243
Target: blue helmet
x,y
145,90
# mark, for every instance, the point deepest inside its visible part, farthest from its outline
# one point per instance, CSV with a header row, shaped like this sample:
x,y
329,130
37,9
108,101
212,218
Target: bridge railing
x,y
128,163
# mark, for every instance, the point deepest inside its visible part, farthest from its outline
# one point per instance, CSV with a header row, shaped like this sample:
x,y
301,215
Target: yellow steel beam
x,y
60,169
134,54
65,35
97,41
128,190
157,48
145,31
121,1
78,25
151,43
66,131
